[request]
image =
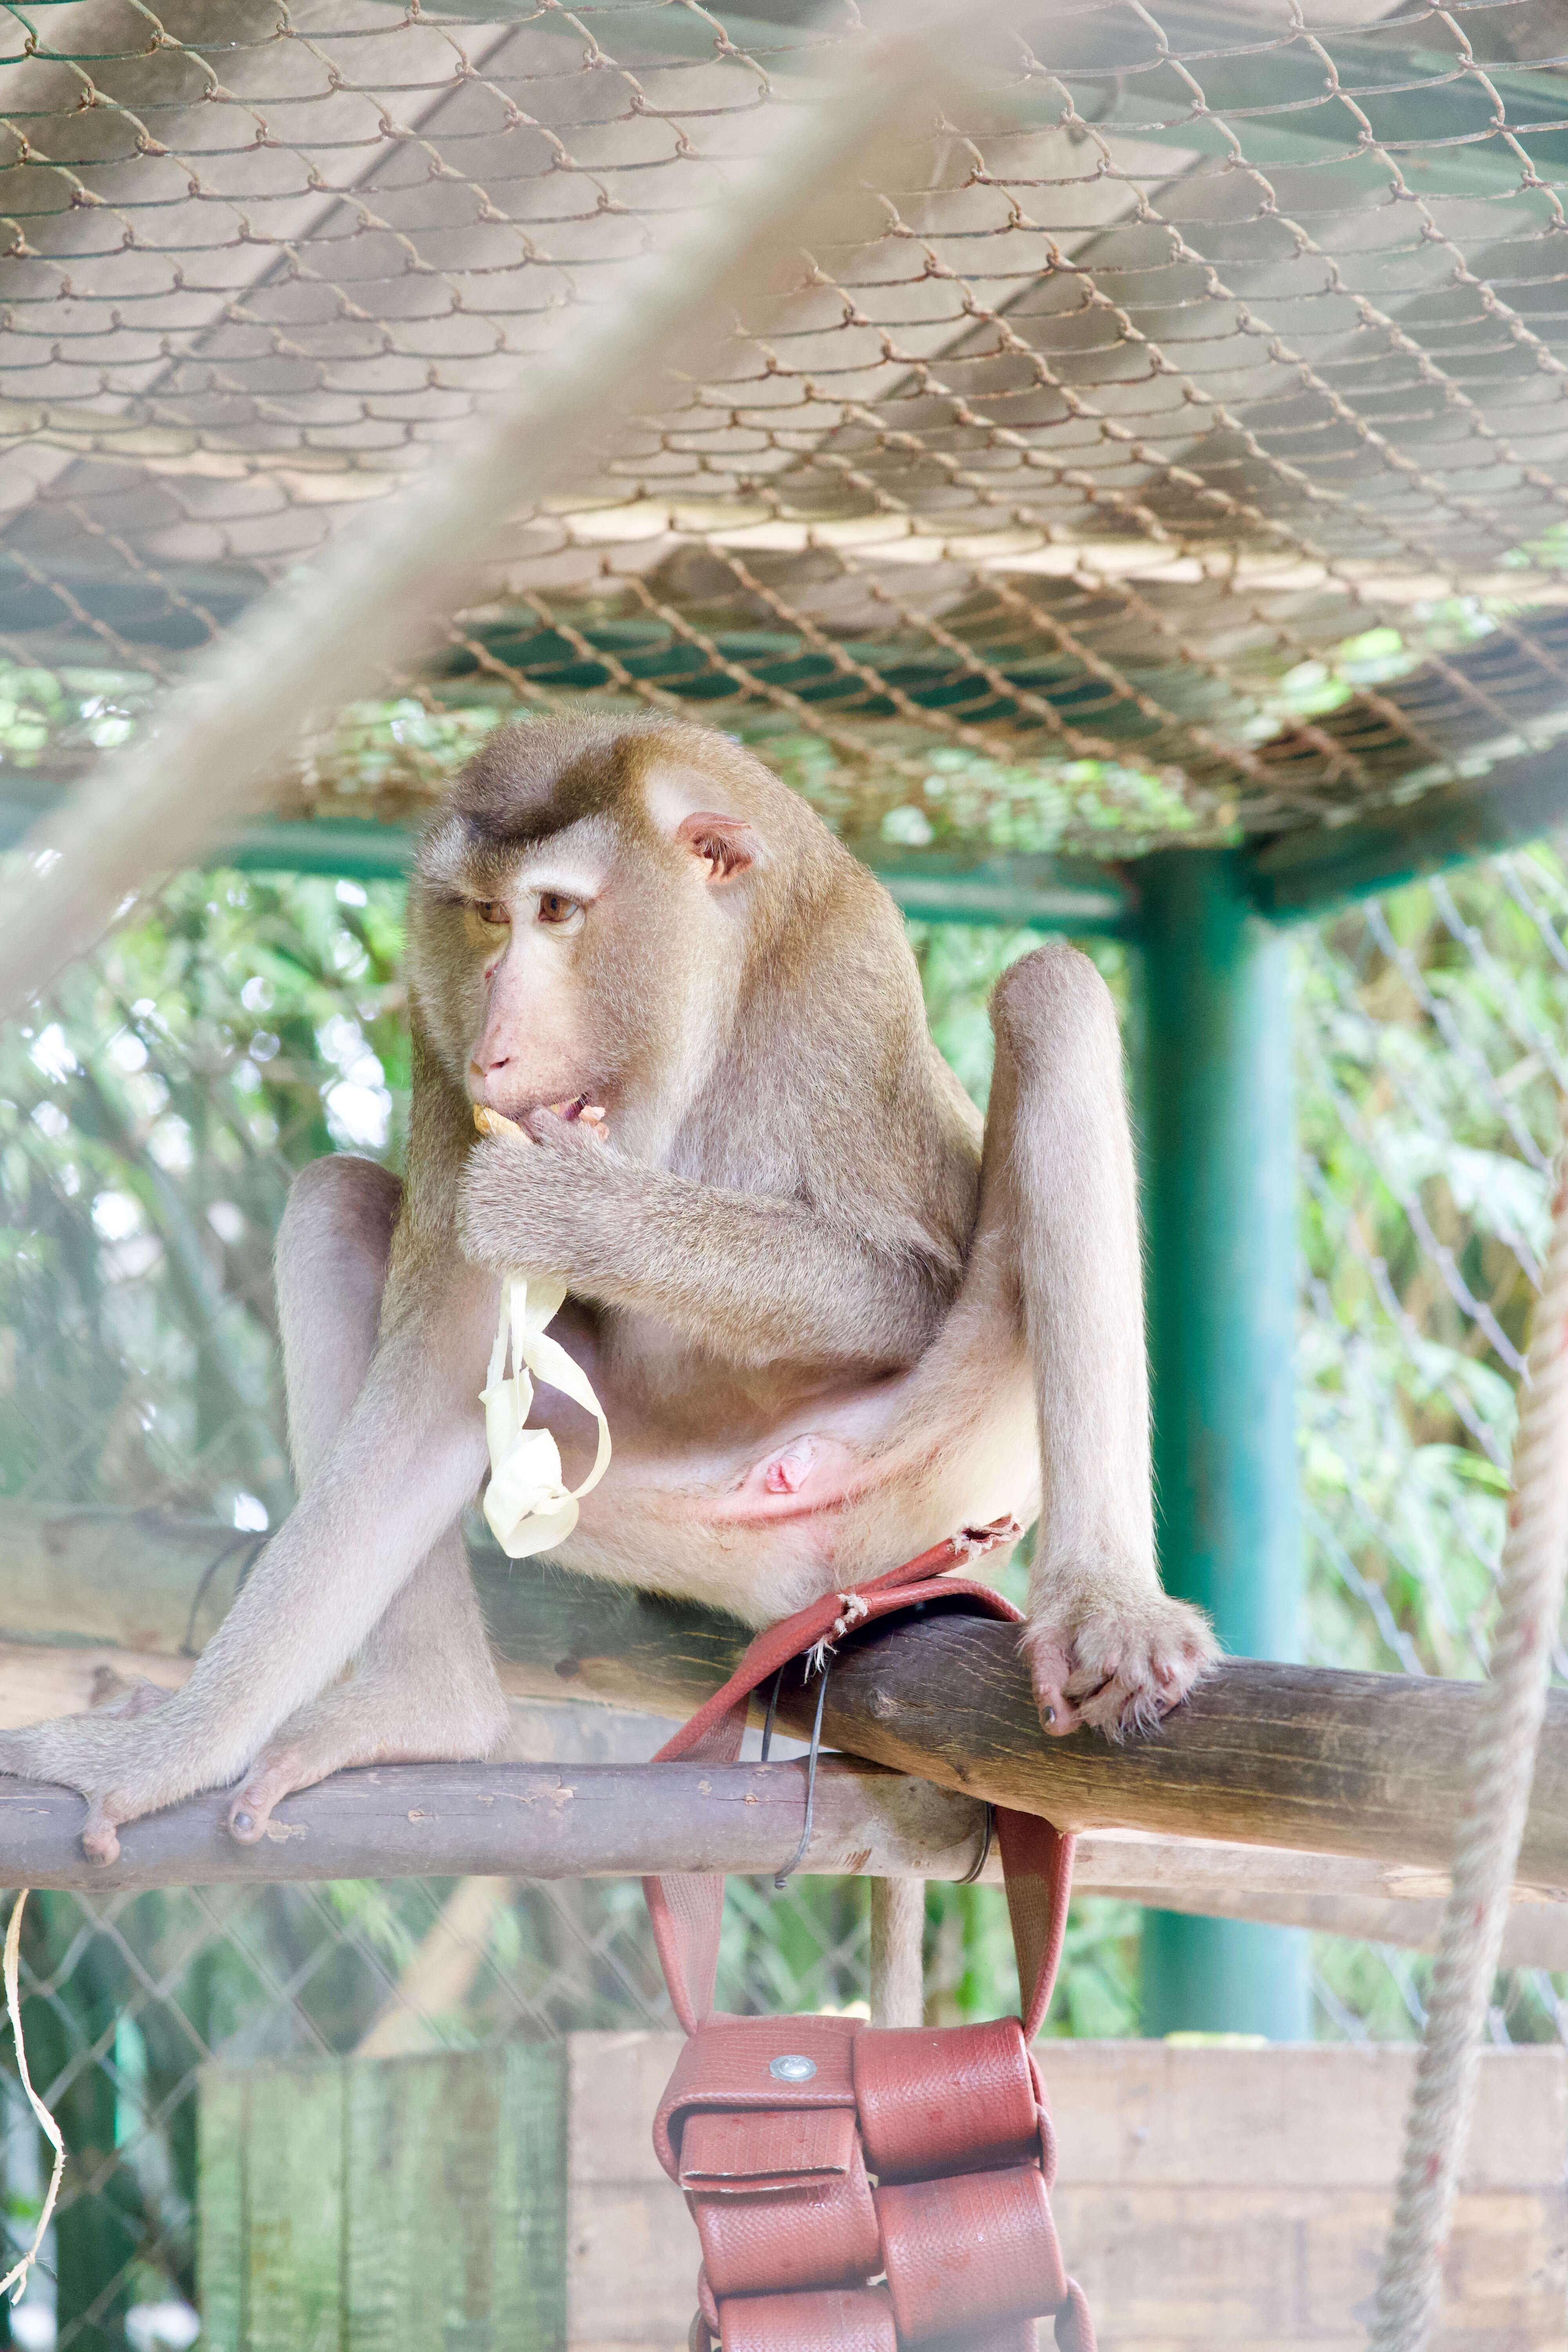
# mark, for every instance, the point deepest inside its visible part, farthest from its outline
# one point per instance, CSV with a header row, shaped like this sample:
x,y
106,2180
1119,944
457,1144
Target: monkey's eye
x,y
554,907
491,911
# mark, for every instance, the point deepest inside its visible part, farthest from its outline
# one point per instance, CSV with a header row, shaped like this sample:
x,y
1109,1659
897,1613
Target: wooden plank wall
x,y
408,2204
1231,2200
1225,2199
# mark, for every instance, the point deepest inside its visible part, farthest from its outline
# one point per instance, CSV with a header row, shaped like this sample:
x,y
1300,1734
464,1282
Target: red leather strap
x,y
844,2320
970,2251
985,2113
1036,1859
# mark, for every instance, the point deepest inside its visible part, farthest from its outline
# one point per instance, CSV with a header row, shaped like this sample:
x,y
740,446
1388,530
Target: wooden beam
x,y
518,1821
1264,1755
1296,1758
576,1817
1338,1894
1305,1758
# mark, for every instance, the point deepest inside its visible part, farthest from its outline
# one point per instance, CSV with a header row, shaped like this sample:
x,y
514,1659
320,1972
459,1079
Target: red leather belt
x,y
860,2189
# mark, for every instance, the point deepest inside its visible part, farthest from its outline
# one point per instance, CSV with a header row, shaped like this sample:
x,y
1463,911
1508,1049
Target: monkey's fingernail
x,y
244,1822
1047,1715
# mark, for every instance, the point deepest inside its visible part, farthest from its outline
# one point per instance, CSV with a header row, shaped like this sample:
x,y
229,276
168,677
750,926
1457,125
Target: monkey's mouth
x,y
591,1113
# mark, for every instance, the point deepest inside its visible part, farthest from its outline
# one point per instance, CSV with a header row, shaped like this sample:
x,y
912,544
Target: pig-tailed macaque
x,y
831,1318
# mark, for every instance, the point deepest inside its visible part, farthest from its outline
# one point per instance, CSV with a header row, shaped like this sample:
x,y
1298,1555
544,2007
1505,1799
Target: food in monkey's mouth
x,y
591,1113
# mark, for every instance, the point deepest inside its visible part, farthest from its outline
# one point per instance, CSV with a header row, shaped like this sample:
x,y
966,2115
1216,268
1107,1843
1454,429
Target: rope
x,y
1500,1768
16,2279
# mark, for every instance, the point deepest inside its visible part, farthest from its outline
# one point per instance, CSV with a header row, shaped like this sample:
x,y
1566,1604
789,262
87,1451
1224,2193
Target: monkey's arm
x,y
757,1278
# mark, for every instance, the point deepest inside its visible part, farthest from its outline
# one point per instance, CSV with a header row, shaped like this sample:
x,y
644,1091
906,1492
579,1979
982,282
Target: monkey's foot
x,y
371,1721
122,1758
1116,1664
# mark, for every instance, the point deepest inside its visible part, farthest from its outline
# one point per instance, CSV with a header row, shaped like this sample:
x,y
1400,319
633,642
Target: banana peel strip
x,y
528,1505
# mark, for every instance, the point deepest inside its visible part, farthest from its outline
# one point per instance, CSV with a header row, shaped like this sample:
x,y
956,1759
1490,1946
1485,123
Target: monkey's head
x,y
588,908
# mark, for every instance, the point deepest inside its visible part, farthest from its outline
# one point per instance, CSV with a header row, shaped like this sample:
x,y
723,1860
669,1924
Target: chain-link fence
x,y
1181,442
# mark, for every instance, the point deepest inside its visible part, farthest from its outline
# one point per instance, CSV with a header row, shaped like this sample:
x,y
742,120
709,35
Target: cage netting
x,y
1180,455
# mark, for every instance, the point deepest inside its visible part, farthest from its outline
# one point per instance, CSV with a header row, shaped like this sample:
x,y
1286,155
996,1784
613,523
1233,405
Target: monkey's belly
x,y
872,1482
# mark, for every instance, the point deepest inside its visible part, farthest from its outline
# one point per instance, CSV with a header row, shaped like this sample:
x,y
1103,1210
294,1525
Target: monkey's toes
x,y
1118,1670
101,1831
1051,1664
275,1775
1133,1671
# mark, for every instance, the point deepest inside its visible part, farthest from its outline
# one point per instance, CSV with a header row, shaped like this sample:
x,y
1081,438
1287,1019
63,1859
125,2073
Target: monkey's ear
x,y
726,845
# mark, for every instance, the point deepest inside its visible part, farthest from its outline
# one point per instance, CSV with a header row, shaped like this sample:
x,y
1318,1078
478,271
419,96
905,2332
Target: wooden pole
x,y
1304,1759
515,1820
1301,1756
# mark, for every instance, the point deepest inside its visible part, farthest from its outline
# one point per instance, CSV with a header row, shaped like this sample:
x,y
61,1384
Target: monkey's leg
x,y
424,1687
423,1690
1106,1644
333,1249
388,1488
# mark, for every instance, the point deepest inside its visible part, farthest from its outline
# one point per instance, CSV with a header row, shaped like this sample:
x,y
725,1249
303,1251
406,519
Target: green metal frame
x,y
1215,1101
1294,878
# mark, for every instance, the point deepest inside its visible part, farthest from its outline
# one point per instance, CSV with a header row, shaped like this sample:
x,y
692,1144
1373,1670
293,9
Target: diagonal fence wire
x,y
375,598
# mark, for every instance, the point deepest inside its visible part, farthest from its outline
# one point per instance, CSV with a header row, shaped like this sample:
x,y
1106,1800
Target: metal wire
x,y
782,1877
1178,445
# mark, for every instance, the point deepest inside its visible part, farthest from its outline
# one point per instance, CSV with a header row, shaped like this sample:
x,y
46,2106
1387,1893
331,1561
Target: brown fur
x,y
826,1324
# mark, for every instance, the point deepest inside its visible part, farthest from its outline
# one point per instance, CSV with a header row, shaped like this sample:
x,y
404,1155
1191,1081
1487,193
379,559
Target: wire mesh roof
x,y
1183,452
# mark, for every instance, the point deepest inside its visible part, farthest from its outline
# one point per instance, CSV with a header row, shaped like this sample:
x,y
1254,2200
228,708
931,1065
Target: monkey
x,y
833,1316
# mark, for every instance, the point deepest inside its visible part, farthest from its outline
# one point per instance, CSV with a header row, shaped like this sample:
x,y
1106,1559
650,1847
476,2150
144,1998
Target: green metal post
x,y
1218,1170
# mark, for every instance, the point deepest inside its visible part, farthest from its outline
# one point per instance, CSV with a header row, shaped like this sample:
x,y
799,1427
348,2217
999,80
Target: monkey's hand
x,y
1117,1660
540,1198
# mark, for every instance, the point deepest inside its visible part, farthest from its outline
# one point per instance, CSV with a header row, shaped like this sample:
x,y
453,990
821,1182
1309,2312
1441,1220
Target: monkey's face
x,y
592,964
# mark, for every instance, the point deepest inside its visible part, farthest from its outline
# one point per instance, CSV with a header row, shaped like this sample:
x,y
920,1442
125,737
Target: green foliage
x,y
150,1122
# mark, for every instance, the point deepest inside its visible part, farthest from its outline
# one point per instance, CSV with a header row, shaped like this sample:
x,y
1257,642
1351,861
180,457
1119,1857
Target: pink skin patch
x,y
807,1475
787,1472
